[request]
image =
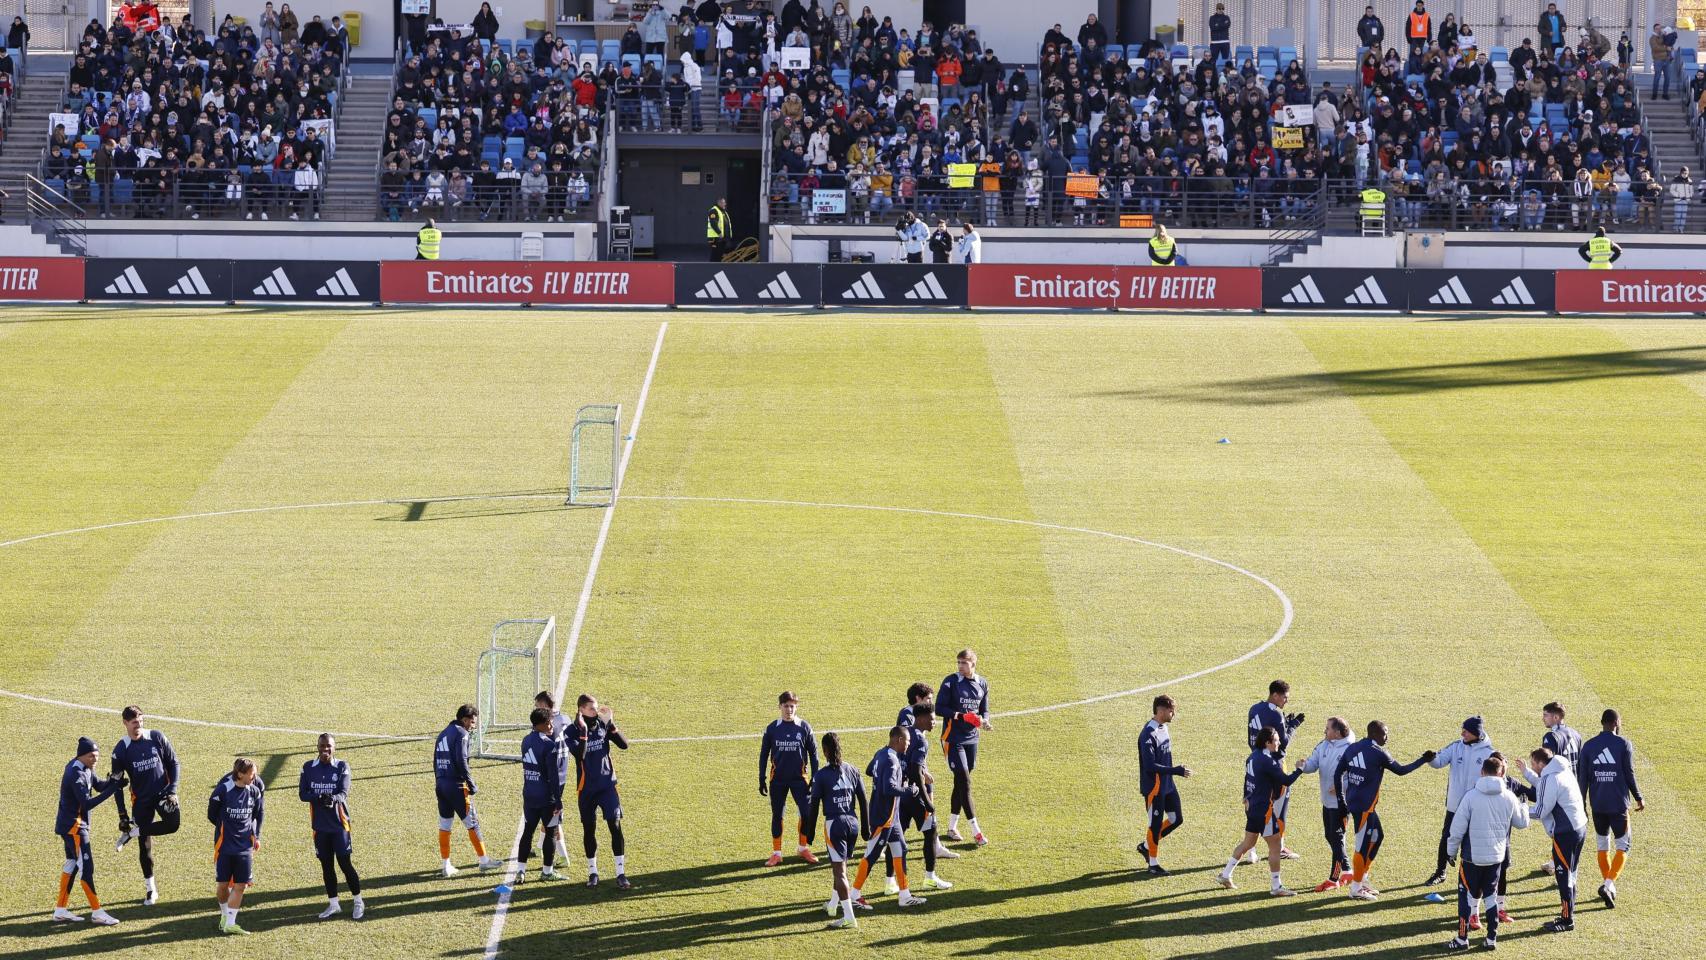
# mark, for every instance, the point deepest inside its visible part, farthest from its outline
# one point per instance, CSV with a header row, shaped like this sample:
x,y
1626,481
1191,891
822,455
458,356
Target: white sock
x,y
834,899
1274,878
1475,907
233,912
930,873
953,822
621,864
591,866
149,882
1154,862
1502,901
358,901
331,901
974,827
224,913
447,861
847,909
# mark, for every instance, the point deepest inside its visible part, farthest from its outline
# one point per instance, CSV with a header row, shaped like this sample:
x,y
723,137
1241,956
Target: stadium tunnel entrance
x,y
669,192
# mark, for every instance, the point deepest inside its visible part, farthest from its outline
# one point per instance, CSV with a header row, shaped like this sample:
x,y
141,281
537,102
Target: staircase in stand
x,y
351,184
38,95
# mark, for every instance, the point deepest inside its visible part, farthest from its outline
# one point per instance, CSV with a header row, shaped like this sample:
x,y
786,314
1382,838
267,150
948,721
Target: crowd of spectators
x,y
172,122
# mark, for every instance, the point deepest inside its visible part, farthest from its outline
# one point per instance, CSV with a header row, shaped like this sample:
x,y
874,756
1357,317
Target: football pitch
x,y
267,523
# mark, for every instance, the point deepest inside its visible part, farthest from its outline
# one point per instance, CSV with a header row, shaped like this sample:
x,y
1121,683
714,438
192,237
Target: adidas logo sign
x,y
276,285
927,289
864,288
340,285
1452,294
1515,293
190,285
1367,292
1605,759
1304,291
717,288
128,282
781,288
1357,763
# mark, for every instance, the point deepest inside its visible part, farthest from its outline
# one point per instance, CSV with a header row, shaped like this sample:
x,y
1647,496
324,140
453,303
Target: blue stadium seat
x,y
1243,52
430,115
56,184
1498,54
609,51
124,190
1267,53
632,60
1134,51
1180,51
655,60
507,46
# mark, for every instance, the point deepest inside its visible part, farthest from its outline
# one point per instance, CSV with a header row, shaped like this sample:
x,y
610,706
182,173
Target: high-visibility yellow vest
x,y
426,242
1159,251
717,224
961,176
1373,202
1599,253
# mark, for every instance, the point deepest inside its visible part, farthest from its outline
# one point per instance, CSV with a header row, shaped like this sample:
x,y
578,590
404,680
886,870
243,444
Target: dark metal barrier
x,y
748,284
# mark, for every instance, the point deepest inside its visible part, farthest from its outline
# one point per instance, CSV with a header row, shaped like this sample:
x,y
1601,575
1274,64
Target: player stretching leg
x,y
782,772
1480,833
146,759
455,788
541,794
1324,760
1607,779
963,704
235,809
547,701
1559,809
1155,777
589,739
1266,792
837,791
80,792
888,787
1357,786
325,784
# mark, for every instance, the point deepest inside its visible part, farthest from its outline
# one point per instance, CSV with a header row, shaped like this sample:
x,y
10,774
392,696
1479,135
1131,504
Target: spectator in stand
x,y
654,30
1552,30
1418,30
288,26
1681,191
1092,30
1220,33
1661,43
485,24
1371,33
534,188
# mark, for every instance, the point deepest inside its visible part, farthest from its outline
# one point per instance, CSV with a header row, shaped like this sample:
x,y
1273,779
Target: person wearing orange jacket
x,y
1418,29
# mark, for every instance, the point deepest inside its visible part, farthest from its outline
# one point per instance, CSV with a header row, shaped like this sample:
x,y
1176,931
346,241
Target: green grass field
x,y
1468,517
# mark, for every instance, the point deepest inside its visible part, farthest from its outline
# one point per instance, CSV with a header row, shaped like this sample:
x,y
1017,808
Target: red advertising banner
x,y
1104,287
41,278
1631,291
500,282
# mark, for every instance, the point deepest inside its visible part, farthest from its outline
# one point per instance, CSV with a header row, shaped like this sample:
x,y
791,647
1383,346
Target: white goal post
x,y
507,676
593,464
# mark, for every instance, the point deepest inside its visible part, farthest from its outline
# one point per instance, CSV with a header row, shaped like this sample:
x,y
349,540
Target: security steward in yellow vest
x,y
717,229
426,242
1161,248
1373,203
1599,251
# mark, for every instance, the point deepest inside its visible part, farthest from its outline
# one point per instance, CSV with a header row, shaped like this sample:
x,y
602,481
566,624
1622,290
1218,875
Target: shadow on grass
x,y
1432,378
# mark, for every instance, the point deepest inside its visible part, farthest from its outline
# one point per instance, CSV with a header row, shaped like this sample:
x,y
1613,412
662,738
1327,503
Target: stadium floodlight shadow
x,y
196,918
1434,378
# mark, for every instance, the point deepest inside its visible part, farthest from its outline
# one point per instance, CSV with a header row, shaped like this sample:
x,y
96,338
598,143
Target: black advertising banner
x,y
748,284
1334,289
894,285
1490,291
311,280
120,278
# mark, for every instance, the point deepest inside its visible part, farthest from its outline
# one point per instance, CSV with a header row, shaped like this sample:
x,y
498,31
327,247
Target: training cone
x,y
1224,440
1434,898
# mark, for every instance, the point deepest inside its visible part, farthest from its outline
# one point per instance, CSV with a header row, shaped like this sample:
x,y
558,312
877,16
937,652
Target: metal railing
x,y
1292,211
60,218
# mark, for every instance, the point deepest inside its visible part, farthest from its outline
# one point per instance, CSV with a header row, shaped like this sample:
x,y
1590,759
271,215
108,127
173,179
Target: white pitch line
x,y
501,913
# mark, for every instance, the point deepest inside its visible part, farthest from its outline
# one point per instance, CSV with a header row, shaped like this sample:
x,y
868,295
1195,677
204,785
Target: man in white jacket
x,y
1480,835
1464,757
1324,759
1558,806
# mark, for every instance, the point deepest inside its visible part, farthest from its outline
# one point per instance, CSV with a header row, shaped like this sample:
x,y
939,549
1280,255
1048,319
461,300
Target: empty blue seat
x,y
55,184
1243,52
1180,51
124,189
1268,53
1134,51
1498,54
430,115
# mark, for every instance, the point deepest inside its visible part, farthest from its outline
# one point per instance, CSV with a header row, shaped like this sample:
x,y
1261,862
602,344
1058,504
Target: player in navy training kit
x,y
889,787
541,793
455,788
918,809
80,792
839,793
783,760
235,809
1606,775
1156,771
146,759
963,704
589,739
1563,741
547,701
324,785
1361,771
1264,714
1266,791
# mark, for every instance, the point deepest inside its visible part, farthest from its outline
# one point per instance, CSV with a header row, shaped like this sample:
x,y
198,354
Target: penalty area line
x,y
501,913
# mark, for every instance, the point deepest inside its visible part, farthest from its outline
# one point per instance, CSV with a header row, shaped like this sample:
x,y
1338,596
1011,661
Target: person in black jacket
x,y
1220,33
941,242
1370,31
486,23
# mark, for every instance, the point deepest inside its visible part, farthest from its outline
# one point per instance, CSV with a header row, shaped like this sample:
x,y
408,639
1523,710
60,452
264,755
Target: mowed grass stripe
x,y
704,611
1573,459
107,418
